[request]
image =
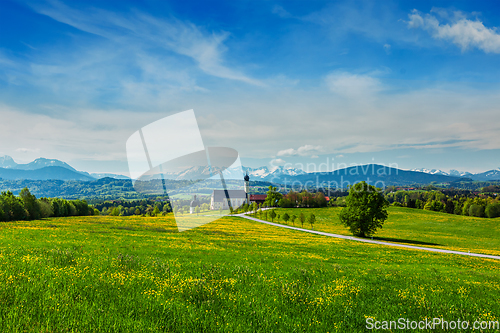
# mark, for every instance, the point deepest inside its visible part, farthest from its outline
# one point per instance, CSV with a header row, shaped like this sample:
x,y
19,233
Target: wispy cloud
x,y
281,12
140,32
458,29
301,151
350,84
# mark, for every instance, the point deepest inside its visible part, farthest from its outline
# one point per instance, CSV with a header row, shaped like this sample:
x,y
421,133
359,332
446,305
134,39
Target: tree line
x,y
449,201
27,207
143,207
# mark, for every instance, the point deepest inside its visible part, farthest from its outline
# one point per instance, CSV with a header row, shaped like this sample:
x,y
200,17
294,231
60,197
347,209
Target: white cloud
x,y
301,151
387,48
275,163
28,150
141,31
281,12
461,31
351,85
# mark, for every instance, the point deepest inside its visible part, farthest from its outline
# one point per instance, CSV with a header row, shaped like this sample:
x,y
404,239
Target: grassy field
x,y
417,227
138,274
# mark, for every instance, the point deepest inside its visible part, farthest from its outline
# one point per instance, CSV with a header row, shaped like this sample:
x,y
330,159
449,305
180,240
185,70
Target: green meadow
x,y
415,227
138,274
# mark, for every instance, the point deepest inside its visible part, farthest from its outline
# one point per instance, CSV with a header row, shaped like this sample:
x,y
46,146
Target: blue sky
x,y
409,83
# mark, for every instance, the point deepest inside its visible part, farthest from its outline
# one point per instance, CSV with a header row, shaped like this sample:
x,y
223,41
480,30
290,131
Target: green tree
x,y
197,210
476,210
272,215
115,212
286,217
302,219
273,197
365,211
137,211
30,204
293,218
311,219
156,211
492,210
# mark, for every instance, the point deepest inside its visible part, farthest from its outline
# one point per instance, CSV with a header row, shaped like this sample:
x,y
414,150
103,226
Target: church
x,y
235,198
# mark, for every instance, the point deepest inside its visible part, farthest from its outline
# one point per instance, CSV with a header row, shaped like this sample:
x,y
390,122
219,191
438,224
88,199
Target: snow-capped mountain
x,y
432,171
264,174
460,173
483,176
488,175
8,163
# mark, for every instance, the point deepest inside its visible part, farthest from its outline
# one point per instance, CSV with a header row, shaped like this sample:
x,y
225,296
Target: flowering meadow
x,y
138,274
413,227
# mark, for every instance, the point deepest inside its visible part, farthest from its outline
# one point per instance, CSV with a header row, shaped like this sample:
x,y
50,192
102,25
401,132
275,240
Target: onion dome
x,y
195,202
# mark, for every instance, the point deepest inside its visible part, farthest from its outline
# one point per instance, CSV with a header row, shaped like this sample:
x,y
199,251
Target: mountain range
x,y
43,169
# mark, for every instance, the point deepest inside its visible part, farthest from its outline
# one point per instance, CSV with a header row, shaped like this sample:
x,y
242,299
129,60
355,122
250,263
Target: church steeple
x,y
247,187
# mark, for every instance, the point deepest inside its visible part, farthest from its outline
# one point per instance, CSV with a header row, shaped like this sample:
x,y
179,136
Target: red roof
x,y
258,197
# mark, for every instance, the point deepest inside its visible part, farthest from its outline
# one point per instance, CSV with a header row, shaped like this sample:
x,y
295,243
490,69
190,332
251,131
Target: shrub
x,y
476,210
435,205
492,210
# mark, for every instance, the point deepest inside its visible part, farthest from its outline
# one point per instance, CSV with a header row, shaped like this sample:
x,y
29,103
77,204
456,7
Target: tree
x,y
293,218
273,197
272,215
286,217
311,219
320,199
30,204
156,211
302,219
492,210
137,211
197,210
365,211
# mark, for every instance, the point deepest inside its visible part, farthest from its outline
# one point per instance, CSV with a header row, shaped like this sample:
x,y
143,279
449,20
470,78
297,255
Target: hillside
x,y
44,173
375,174
138,274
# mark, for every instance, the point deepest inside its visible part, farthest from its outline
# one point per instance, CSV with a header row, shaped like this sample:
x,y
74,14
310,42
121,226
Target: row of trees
x,y
294,199
146,207
456,202
271,214
27,207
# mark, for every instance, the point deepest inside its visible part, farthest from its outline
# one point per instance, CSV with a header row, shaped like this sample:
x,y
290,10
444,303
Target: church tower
x,y
247,187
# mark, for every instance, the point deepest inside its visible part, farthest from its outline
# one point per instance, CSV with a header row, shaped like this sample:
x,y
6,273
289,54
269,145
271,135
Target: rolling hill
x,y
45,173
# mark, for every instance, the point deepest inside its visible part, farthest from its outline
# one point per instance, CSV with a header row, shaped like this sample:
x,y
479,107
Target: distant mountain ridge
x,y
43,168
7,162
40,169
45,173
482,176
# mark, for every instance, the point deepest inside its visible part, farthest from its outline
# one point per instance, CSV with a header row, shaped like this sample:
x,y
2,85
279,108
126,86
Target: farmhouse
x,y
258,198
